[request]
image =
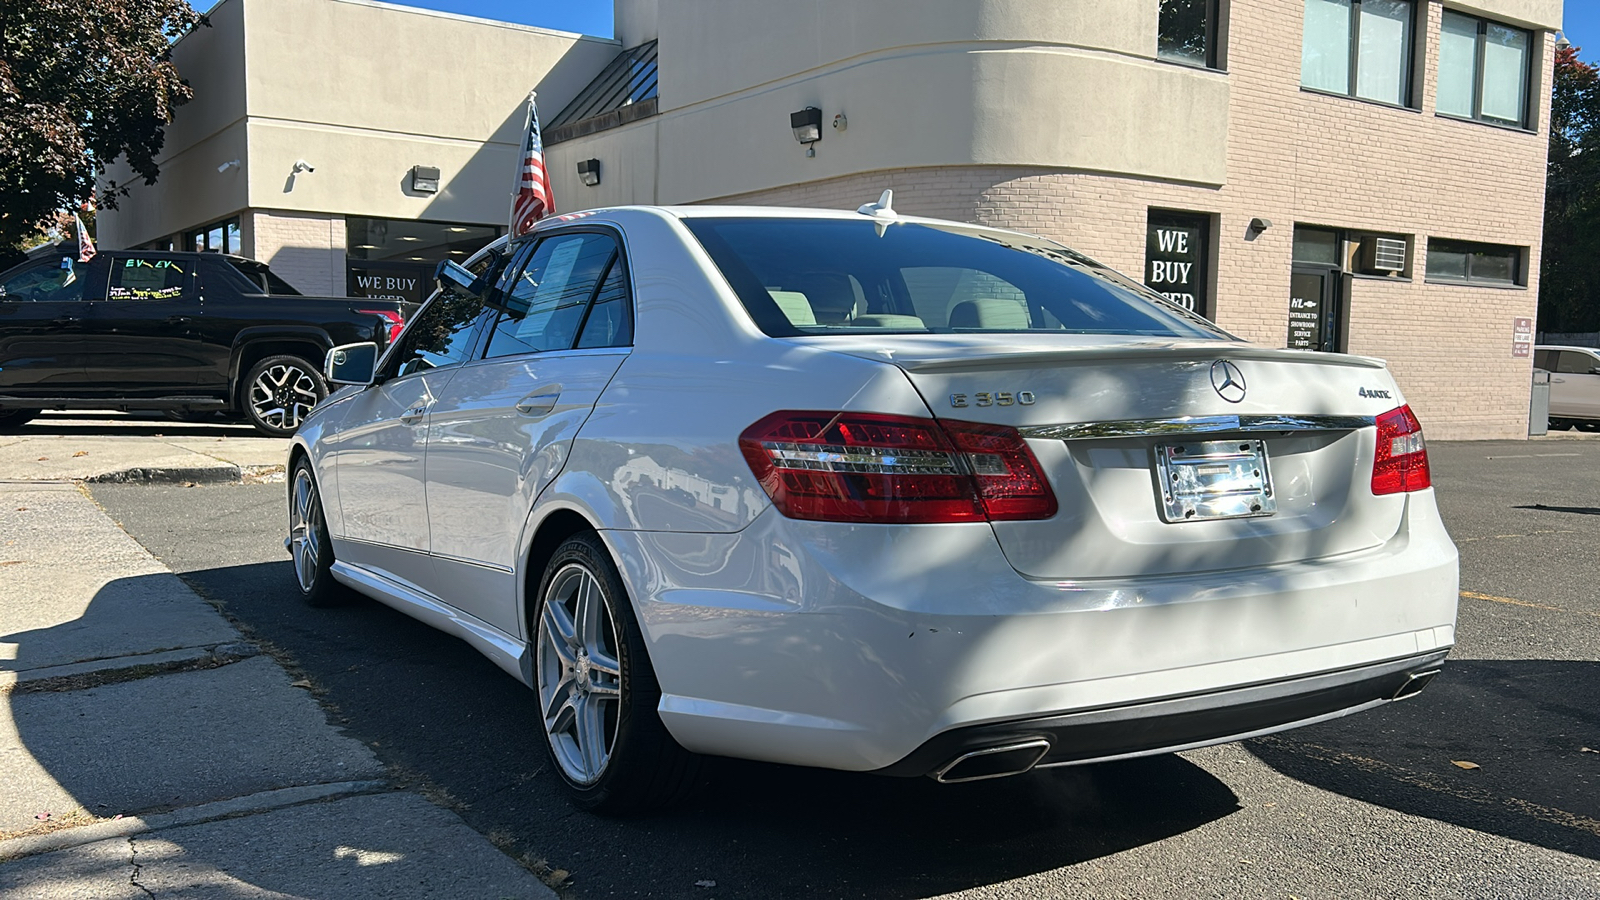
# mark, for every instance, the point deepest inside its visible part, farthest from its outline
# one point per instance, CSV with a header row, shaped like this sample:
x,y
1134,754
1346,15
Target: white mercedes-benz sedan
x,y
870,492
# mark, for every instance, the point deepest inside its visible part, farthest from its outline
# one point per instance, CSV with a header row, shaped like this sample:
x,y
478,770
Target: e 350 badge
x,y
993,398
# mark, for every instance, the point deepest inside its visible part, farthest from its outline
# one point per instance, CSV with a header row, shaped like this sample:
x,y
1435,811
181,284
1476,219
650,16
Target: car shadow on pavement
x,y
1507,747
446,720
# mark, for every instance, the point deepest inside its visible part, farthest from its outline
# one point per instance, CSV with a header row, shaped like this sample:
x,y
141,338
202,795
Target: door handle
x,y
411,415
538,404
65,320
178,320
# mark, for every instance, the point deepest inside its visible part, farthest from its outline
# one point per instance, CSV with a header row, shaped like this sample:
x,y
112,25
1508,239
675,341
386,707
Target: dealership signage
x,y
1177,261
389,281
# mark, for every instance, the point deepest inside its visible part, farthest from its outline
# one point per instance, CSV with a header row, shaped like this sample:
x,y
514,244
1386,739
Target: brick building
x,y
1363,176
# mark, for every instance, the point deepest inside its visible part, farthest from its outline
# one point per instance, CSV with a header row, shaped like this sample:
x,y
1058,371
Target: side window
x,y
610,322
1573,362
144,278
441,335
1544,359
54,281
542,307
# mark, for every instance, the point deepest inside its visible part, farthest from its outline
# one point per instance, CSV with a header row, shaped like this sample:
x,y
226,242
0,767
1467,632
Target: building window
x,y
1466,263
1177,259
1188,32
1359,48
395,258
1484,70
222,237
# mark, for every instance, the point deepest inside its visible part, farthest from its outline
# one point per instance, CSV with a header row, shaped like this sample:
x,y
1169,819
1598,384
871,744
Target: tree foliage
x,y
1569,279
82,82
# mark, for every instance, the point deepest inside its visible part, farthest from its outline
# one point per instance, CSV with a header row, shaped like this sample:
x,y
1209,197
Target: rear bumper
x,y
853,647
1174,723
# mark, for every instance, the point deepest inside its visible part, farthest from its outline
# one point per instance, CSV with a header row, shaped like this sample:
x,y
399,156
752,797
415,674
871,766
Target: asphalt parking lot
x,y
1368,806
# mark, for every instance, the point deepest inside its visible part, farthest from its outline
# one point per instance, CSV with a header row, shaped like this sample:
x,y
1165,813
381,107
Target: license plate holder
x,y
1199,481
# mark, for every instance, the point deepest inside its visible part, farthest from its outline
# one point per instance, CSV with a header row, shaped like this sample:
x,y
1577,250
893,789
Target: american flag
x,y
85,245
532,200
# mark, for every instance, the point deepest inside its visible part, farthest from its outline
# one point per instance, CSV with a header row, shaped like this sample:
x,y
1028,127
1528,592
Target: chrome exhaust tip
x,y
1414,684
993,762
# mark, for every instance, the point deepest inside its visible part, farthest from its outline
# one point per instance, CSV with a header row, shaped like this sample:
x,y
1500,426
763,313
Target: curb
x,y
120,668
218,474
250,804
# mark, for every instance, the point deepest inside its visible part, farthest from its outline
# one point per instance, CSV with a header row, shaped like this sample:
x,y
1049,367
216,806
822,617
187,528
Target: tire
x,y
11,419
278,392
310,547
597,691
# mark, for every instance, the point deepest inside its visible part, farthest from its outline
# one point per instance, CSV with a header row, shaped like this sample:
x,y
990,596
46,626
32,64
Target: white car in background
x,y
870,492
1574,385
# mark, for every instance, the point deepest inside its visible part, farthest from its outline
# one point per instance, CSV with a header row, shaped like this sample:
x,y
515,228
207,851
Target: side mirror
x,y
351,364
452,275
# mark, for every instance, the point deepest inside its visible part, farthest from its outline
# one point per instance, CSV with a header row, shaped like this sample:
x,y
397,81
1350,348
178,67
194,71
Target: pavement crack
x,y
133,862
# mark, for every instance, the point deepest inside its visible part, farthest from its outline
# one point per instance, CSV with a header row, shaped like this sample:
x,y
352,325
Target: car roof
x,y
767,212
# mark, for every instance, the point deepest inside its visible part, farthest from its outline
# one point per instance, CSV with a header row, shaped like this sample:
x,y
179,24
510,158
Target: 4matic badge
x,y
1374,394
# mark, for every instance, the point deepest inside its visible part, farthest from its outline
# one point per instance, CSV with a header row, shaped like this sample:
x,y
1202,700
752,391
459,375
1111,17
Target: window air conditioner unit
x,y
1380,254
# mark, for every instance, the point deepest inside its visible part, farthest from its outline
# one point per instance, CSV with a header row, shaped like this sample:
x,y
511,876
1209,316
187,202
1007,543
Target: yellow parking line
x,y
1473,595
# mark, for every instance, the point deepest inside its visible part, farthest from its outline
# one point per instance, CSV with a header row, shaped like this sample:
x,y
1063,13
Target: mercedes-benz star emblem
x,y
1228,380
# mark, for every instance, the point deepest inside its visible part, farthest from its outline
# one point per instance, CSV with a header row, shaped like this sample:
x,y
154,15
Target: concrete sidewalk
x,y
106,446
147,750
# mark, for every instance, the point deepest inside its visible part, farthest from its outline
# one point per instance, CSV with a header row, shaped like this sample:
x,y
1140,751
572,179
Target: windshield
x,y
825,276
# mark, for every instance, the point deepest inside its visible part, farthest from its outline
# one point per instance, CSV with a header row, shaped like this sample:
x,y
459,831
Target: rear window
x,y
259,275
824,276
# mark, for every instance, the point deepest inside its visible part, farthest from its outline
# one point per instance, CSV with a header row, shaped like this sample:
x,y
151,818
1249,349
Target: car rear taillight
x,y
397,322
865,467
1402,460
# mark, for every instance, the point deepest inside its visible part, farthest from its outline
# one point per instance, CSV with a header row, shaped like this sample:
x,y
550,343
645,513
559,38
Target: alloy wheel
x,y
305,530
580,675
282,395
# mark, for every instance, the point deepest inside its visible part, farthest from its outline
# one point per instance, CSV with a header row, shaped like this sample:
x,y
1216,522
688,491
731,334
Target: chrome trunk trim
x,y
1186,425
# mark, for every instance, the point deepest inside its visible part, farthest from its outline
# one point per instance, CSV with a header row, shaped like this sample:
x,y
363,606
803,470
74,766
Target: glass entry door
x,y
1314,315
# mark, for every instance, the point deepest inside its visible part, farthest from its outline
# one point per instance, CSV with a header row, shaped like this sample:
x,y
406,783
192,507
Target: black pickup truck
x,y
190,333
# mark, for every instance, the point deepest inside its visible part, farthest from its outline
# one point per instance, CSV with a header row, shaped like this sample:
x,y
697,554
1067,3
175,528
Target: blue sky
x,y
1582,25
583,16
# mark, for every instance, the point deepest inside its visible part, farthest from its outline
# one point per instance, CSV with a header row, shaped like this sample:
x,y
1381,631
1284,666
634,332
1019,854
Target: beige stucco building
x,y
1355,175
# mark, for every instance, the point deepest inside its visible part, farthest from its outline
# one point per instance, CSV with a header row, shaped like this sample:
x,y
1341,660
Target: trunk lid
x,y
1102,413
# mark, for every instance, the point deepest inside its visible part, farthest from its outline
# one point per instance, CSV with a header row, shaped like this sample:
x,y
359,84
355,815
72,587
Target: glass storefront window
x,y
1177,259
395,258
221,237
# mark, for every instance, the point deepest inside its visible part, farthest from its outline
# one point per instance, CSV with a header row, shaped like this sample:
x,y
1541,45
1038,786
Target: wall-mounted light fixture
x,y
807,125
425,179
589,171
1258,225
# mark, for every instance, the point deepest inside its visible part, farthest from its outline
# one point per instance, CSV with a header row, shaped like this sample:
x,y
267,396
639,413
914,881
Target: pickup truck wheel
x,y
13,418
278,393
